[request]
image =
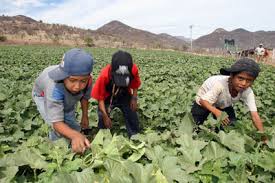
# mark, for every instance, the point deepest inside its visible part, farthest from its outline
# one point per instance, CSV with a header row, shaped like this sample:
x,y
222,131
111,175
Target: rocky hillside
x,y
141,38
243,39
22,29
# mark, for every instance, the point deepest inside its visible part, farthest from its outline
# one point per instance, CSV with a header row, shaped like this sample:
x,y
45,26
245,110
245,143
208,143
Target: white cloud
x,y
26,3
173,16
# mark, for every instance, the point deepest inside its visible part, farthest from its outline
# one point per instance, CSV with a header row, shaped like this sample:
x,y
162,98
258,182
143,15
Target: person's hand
x,y
84,122
264,139
133,104
79,143
225,121
107,121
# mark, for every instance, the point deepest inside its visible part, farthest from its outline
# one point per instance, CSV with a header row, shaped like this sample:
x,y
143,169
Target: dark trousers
x,y
131,118
200,114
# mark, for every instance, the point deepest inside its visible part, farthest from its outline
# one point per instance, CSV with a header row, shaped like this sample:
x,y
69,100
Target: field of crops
x,y
167,150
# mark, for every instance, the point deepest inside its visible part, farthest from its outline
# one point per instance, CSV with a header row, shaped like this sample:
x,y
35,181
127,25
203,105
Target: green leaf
x,y
186,126
155,154
2,97
116,171
24,157
8,173
191,154
137,155
171,170
160,177
86,175
214,151
238,159
265,160
232,140
271,143
239,174
140,173
215,168
101,136
70,166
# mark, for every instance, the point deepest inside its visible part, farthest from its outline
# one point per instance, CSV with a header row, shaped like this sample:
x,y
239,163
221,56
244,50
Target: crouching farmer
x,y
218,93
117,86
56,93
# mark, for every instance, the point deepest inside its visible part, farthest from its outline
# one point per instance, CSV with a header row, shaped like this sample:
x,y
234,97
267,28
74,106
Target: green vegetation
x,y
167,150
3,38
89,42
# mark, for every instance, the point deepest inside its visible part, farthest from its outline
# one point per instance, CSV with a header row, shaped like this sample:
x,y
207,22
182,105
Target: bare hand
x,y
225,121
133,104
79,143
107,121
264,139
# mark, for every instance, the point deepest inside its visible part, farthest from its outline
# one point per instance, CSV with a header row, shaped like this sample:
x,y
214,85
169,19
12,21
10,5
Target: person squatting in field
x,y
117,86
56,93
218,93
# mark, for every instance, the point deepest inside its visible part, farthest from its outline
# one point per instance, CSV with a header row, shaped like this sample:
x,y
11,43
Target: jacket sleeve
x,y
136,82
99,91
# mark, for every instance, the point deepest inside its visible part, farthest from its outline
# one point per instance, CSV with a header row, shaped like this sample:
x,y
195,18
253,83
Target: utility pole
x,y
191,39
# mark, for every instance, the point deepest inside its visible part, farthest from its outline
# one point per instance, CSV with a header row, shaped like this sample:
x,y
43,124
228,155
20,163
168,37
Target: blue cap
x,y
76,62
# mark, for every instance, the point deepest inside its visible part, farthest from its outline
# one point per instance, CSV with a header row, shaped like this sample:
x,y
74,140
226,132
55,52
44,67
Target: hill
x,y
243,39
23,29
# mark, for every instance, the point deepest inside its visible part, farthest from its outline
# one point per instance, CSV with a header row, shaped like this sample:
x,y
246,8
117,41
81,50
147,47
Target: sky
x,y
173,17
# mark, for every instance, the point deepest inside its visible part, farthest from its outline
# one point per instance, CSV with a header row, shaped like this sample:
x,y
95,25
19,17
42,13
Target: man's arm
x,y
84,106
214,110
79,142
257,121
106,120
133,102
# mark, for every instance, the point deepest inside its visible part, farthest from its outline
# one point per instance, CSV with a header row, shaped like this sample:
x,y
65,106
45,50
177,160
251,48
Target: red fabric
x,y
99,90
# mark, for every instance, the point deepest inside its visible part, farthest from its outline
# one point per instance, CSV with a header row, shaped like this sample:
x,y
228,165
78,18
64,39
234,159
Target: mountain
x,y
188,40
244,39
141,38
25,30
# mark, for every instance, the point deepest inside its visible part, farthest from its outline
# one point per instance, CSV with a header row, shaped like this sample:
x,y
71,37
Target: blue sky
x,y
158,16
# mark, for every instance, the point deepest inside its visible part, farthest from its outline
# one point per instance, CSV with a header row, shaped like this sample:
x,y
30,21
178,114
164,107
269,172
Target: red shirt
x,y
99,91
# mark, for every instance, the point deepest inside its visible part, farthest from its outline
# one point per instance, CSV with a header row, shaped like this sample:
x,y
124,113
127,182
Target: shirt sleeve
x,y
136,82
212,95
99,91
248,98
54,104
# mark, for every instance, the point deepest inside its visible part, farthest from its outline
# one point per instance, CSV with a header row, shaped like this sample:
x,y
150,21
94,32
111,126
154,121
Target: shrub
x,y
3,38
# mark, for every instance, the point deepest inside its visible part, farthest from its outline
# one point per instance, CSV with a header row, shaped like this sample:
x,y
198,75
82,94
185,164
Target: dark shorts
x,y
200,114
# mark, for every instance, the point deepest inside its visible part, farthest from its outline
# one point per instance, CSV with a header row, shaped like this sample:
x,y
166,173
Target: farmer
x,y
56,93
117,86
260,51
218,93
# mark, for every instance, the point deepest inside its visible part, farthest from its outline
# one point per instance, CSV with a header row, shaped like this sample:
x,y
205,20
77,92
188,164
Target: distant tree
x,y
55,39
3,38
89,42
184,47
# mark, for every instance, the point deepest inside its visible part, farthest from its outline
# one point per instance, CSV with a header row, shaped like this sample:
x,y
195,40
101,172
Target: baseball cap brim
x,y
225,71
121,80
58,74
228,71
